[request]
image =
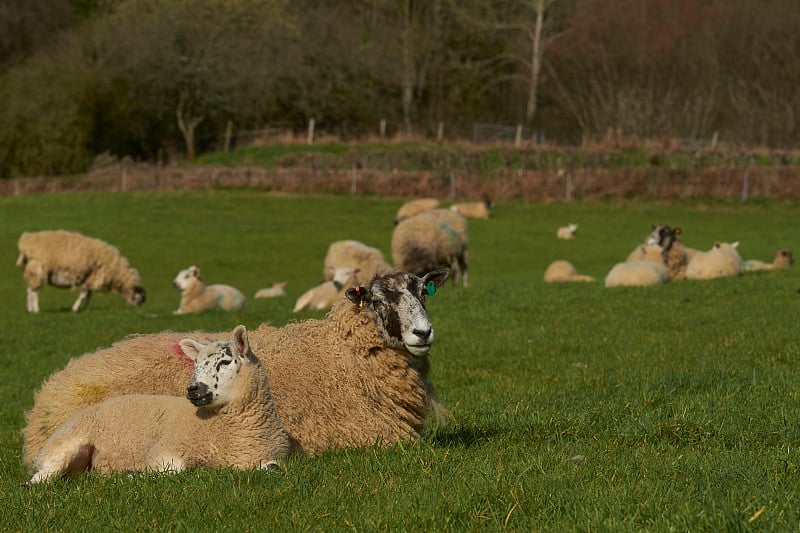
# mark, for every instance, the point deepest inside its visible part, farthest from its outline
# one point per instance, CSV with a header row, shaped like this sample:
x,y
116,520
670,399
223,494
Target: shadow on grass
x,y
462,436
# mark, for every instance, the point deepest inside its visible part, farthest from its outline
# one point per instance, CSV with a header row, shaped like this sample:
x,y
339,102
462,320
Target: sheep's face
x,y
186,278
135,296
216,366
663,235
397,301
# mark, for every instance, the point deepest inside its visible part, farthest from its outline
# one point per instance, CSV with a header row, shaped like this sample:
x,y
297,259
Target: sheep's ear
x,y
358,295
435,279
678,231
735,244
191,348
194,271
240,339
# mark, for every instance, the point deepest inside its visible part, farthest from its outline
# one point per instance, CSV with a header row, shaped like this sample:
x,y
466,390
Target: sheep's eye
x,y
223,362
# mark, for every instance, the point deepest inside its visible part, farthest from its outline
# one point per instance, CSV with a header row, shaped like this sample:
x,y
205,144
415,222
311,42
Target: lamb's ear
x,y
358,295
240,340
191,348
194,271
678,231
434,279
735,244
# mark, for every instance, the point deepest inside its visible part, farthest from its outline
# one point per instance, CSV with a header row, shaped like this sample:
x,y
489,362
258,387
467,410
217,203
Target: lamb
x,y
196,296
564,271
277,289
434,239
358,377
567,232
648,270
721,261
478,210
354,255
783,260
228,420
415,207
323,295
68,259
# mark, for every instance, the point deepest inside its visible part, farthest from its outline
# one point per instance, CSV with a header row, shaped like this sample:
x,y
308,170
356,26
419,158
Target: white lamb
x,y
783,260
323,295
354,255
567,232
356,378
723,260
415,207
433,239
277,289
563,271
479,210
227,418
196,296
648,270
67,259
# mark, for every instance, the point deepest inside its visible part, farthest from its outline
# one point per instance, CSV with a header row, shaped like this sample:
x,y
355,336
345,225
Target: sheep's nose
x,y
423,333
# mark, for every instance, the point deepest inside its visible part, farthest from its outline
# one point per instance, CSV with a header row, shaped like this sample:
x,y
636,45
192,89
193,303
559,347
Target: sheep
x,y
356,256
567,232
323,295
783,260
358,377
415,207
68,259
275,290
564,271
648,270
433,239
478,210
721,261
196,296
227,418
676,255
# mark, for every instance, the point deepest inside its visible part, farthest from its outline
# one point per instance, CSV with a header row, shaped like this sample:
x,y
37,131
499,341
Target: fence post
x,y
518,136
353,178
452,185
440,132
228,134
16,187
382,128
311,131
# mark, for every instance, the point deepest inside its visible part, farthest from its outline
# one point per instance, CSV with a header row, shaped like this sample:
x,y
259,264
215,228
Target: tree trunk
x,y
537,50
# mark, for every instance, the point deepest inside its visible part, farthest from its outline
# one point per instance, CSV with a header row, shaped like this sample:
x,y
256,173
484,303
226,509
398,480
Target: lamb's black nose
x,y
423,333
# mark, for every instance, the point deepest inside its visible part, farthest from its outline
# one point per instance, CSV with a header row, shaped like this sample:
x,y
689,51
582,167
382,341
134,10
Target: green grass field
x,y
574,407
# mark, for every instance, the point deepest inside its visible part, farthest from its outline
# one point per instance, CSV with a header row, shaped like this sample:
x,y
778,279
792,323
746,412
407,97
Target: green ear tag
x,y
430,288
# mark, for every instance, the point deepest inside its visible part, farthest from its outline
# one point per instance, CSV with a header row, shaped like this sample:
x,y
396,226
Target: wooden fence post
x,y
440,132
228,133
382,128
311,131
518,136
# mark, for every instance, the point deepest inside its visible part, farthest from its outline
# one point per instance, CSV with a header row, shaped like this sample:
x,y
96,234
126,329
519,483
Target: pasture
x,y
573,407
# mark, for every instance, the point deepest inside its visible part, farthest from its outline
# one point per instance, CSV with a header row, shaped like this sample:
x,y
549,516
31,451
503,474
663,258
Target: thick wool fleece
x,y
356,256
334,383
562,270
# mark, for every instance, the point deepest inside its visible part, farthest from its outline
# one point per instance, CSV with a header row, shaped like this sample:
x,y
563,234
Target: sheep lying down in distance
x,y
359,376
196,296
68,259
227,418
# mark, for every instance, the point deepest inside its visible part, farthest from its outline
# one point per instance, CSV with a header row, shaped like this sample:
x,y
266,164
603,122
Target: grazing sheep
x,y
273,291
567,232
415,207
196,296
227,419
478,210
430,240
648,270
67,259
721,261
323,295
783,260
564,271
354,255
356,378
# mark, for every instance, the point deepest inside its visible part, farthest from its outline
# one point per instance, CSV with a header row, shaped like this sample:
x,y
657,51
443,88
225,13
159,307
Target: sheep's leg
x,y
62,459
162,461
85,295
32,303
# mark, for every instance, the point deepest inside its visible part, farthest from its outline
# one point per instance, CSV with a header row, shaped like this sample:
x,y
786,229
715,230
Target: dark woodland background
x,y
161,80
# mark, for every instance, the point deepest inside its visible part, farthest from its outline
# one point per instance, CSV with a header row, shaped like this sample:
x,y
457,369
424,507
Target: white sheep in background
x,y
356,378
196,296
563,271
277,289
227,418
67,259
723,260
354,255
783,260
415,207
323,295
479,210
649,269
433,239
567,232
